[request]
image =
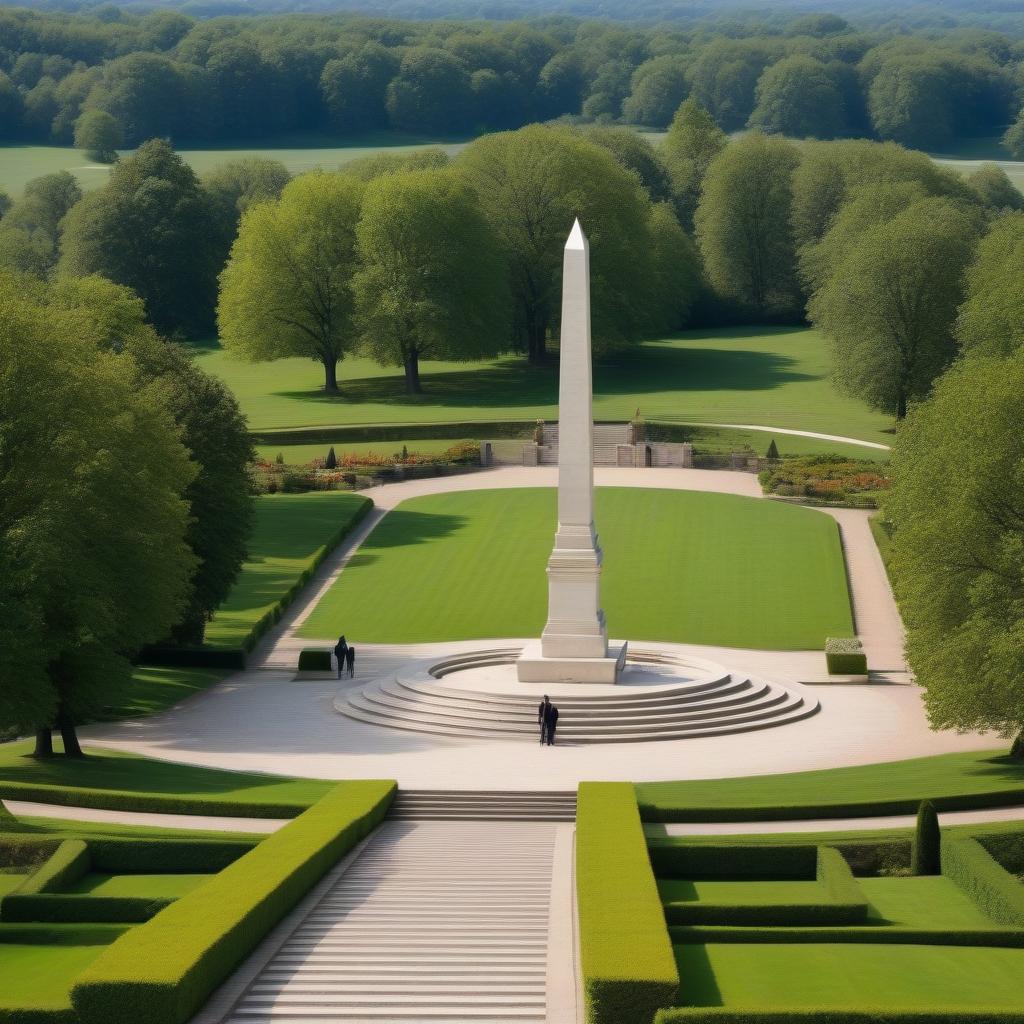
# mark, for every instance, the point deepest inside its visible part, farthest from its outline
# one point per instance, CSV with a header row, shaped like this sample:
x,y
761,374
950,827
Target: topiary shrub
x,y
925,858
773,451
314,661
331,462
1017,747
845,656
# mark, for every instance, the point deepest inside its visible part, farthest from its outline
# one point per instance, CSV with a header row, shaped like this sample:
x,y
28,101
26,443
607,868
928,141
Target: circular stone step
x,y
476,695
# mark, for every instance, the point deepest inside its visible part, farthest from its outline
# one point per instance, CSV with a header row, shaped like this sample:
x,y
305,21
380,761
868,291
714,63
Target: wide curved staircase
x,y
417,699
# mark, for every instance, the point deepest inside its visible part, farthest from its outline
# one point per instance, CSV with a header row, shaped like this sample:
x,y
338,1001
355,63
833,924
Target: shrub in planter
x,y
845,656
314,661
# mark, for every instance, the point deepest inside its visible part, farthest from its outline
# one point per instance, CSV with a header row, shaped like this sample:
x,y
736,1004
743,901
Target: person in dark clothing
x,y
340,652
542,718
350,661
552,723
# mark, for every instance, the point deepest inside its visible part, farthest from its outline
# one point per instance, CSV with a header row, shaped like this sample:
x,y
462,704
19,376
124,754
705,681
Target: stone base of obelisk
x,y
533,667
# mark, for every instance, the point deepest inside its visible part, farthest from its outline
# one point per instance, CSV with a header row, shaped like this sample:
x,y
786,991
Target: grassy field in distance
x,y
702,555
769,376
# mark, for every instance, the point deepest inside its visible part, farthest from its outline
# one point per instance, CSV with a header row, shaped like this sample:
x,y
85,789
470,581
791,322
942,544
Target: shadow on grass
x,y
654,368
698,986
401,527
1000,766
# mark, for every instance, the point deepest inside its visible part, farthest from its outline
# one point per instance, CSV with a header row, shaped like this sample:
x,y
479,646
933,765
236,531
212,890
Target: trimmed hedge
x,y
812,1015
68,863
311,660
1008,850
163,971
466,430
165,856
232,658
979,874
840,899
845,656
674,859
75,908
669,813
629,969
1011,938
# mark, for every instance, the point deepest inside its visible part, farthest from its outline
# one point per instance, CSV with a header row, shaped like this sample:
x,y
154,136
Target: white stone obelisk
x,y
574,644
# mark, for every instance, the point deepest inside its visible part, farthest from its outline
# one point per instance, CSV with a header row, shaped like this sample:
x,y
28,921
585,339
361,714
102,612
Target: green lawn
x,y
848,975
728,893
836,791
19,164
147,886
291,532
926,902
680,566
155,689
772,376
127,780
38,976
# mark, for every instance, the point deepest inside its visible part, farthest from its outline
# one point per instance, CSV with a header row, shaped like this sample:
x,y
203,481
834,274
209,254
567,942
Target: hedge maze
x,y
101,930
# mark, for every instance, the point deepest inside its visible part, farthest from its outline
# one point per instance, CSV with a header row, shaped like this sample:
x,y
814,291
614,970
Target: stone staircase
x,y
716,706
440,922
477,805
607,438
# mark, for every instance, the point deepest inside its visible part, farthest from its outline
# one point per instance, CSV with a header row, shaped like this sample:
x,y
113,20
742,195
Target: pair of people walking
x,y
547,719
346,656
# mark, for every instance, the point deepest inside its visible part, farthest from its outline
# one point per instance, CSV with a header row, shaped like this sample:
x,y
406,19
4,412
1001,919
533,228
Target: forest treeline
x,y
165,74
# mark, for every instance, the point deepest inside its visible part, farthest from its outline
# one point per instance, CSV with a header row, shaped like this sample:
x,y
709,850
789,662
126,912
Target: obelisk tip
x,y
576,240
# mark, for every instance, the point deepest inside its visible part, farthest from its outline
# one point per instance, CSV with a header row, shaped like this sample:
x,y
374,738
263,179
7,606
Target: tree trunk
x,y
1017,750
901,407
536,342
412,373
330,376
44,744
72,748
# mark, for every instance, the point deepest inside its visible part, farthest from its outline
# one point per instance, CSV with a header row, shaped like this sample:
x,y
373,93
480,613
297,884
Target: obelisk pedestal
x,y
574,645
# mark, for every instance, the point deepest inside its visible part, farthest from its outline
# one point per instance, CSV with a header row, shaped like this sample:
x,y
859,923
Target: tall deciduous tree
x,y
531,184
743,224
692,142
287,287
149,229
93,521
99,134
799,96
1013,140
991,320
31,230
889,306
994,188
433,283
957,561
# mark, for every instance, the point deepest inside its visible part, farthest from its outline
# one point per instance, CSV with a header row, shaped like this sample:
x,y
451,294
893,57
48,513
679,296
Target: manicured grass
x,y
125,781
925,902
19,164
10,880
678,890
680,566
146,886
40,976
761,976
773,376
155,689
977,778
290,534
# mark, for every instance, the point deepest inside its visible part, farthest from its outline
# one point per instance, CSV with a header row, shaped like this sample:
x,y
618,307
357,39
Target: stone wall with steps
x,y
480,805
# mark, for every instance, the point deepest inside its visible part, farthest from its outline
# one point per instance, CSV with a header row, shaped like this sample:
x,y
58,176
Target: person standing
x,y
552,723
542,718
350,661
341,653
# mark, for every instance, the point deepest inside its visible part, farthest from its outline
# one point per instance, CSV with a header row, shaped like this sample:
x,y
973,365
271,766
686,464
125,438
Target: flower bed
x,y
829,478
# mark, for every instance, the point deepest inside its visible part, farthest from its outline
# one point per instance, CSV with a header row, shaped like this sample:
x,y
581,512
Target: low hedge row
x,y
1012,938
67,864
673,858
75,908
129,800
828,1015
163,971
840,901
980,875
628,966
845,656
668,813
273,616
485,429
1008,849
230,658
165,856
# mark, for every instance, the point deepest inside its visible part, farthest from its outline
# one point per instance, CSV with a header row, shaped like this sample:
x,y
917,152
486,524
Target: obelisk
x,y
574,644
